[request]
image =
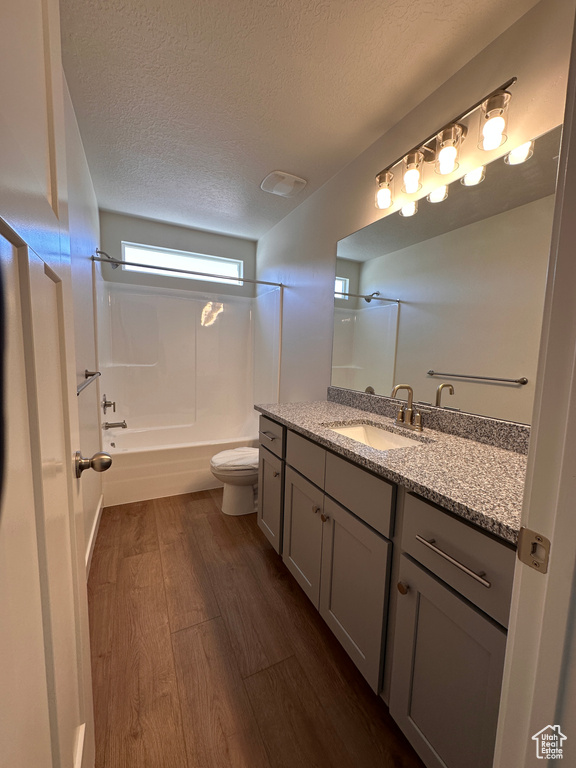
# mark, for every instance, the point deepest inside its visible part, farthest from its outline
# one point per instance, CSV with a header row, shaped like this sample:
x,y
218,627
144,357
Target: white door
x,y
540,671
45,692
46,375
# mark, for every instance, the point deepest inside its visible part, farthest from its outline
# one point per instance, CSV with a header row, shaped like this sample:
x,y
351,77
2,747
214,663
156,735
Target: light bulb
x,y
448,143
409,209
474,177
520,154
412,175
493,120
384,192
492,132
412,181
383,198
447,160
438,194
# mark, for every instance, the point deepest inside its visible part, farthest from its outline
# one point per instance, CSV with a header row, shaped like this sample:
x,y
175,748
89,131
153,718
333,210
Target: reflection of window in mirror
x,y
341,287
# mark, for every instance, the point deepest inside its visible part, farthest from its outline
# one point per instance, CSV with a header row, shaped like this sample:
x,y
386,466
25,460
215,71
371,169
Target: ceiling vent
x,y
283,184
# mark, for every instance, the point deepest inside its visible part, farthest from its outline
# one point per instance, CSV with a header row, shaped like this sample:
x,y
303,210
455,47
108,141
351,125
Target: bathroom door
x,y
43,318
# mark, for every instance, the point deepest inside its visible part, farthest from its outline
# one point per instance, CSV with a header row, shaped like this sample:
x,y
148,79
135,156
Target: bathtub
x,y
152,463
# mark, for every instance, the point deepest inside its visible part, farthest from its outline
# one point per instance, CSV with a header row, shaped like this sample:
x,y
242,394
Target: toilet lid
x,y
237,458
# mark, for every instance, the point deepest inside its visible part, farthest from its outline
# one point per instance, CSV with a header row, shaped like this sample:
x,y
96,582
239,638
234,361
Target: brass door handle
x,y
324,518
275,474
403,588
315,510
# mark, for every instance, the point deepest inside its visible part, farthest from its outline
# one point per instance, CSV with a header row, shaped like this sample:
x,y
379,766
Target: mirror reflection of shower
x,y
365,341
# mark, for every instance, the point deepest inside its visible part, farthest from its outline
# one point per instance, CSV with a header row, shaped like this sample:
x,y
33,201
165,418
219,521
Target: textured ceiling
x,y
184,106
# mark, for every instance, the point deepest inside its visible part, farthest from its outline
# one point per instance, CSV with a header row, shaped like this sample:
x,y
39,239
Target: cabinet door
x,y
354,587
270,480
302,547
446,673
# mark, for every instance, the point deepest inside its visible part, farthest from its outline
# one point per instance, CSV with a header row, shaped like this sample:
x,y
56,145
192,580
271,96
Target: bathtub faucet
x,y
114,424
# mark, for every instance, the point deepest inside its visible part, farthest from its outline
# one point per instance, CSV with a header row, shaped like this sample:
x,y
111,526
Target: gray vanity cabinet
x,y
446,673
270,497
302,547
271,481
448,655
353,587
340,562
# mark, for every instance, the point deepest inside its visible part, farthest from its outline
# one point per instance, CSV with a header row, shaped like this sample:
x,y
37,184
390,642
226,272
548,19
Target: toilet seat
x,y
238,461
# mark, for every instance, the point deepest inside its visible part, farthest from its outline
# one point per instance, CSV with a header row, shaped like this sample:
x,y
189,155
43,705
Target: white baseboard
x,y
93,534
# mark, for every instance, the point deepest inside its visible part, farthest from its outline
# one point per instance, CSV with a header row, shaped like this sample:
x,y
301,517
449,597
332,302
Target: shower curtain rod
x,y
366,296
182,271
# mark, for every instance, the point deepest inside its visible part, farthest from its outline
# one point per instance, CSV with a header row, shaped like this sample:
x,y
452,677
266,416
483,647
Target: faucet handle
x,y
108,404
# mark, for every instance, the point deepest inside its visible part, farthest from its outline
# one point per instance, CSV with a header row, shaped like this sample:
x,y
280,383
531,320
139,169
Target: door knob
x,y
403,588
100,462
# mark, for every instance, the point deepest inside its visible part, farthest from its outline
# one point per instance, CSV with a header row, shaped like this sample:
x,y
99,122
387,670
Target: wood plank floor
x,y
207,654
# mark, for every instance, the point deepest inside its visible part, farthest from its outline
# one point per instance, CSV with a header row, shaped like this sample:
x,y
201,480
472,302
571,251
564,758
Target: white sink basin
x,y
376,437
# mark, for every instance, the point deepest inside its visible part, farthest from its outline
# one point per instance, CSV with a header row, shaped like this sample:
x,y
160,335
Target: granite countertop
x,y
478,482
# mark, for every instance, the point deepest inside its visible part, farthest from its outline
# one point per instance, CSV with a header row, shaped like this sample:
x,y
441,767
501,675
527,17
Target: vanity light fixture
x,y
438,195
474,177
412,175
443,148
409,209
448,147
384,192
520,154
493,120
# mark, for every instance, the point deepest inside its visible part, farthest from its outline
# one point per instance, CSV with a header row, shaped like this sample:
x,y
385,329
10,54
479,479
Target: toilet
x,y
238,470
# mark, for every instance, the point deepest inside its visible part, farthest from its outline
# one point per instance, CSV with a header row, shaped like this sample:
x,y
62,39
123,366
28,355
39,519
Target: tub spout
x,y
115,424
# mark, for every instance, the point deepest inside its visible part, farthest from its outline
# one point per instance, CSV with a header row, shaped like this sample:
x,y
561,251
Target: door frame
x,y
539,687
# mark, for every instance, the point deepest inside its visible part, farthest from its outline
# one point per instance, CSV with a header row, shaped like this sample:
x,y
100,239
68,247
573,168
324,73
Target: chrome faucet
x,y
115,424
439,392
407,417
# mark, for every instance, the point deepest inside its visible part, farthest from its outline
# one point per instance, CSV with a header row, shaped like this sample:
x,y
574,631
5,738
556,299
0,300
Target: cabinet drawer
x,y
492,560
271,436
367,496
306,457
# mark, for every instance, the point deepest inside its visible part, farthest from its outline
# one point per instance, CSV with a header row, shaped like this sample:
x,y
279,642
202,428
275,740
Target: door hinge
x,y
533,549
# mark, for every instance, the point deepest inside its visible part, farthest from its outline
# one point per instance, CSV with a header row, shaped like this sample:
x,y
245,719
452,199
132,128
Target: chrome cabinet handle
x,y
100,462
267,436
430,543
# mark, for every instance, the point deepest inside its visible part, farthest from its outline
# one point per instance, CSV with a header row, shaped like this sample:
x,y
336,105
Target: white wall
x,y
84,238
472,303
300,251
115,228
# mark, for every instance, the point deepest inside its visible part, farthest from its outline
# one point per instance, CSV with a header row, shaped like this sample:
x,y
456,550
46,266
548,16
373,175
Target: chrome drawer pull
x,y
430,543
267,435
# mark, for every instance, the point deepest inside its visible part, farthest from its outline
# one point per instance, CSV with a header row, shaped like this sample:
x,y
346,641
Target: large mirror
x,y
469,274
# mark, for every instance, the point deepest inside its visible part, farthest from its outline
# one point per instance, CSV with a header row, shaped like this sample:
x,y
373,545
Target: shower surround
x,y
184,369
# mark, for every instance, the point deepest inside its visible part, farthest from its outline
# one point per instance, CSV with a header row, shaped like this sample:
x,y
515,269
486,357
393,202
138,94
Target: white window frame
x,y
341,286
232,270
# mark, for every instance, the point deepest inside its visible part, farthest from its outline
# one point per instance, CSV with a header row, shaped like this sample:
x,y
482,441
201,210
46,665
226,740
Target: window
x,y
229,269
342,286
